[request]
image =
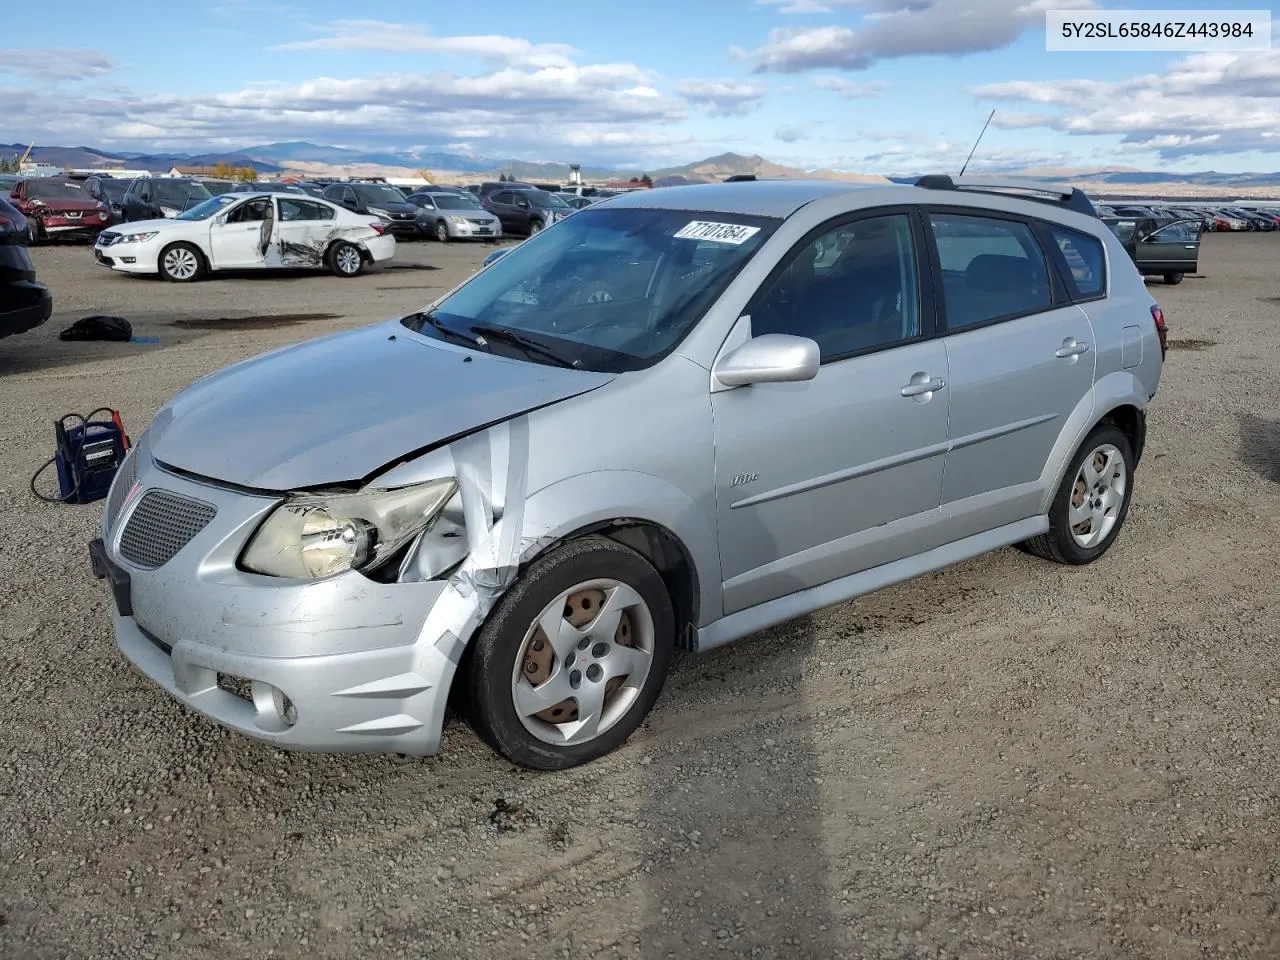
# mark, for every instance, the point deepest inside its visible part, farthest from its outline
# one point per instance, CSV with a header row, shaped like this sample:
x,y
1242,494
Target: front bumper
x,y
74,230
128,257
474,231
342,665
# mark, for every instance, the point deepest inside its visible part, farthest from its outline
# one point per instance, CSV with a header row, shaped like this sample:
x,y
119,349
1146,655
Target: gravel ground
x,y
1005,759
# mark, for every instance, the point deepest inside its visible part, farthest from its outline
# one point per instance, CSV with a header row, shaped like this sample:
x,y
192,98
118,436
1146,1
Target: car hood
x,y
146,226
57,205
337,409
393,207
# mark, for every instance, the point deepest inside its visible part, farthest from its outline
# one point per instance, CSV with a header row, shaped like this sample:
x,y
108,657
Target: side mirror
x,y
770,358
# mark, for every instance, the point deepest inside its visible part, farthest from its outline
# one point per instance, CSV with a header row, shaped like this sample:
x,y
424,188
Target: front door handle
x,y
1071,347
921,384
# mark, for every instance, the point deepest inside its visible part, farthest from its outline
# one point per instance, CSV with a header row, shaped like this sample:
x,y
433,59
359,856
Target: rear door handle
x,y
919,387
1071,347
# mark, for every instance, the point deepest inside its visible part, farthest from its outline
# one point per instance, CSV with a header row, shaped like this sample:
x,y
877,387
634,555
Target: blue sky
x,y
883,86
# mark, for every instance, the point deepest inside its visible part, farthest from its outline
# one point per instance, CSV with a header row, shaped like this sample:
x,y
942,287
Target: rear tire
x,y
521,692
181,263
1173,278
344,260
1097,488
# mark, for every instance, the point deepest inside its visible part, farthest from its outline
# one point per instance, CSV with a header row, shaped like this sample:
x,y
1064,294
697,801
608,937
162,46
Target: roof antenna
x,y
975,143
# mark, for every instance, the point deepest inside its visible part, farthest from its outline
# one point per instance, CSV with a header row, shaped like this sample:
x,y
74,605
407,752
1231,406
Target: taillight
x,y
379,227
1162,329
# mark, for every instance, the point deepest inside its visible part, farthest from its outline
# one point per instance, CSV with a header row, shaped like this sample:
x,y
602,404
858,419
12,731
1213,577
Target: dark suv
x,y
109,191
24,304
159,198
380,200
526,210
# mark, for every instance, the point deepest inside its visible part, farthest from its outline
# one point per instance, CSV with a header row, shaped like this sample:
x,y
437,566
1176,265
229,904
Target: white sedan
x,y
238,231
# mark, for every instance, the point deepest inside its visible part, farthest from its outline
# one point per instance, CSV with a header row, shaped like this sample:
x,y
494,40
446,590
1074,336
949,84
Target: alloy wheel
x,y
180,263
348,259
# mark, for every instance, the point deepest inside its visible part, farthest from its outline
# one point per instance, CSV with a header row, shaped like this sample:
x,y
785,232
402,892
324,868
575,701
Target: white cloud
x,y
723,98
901,28
594,112
851,89
385,37
56,64
1213,103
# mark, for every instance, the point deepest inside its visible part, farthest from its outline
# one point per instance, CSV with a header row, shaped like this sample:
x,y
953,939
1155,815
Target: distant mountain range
x,y
311,159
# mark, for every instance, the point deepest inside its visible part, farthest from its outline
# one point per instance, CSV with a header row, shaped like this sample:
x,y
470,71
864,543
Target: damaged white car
x,y
236,231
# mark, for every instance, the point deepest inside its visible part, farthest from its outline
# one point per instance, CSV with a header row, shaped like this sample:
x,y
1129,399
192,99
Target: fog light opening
x,y
284,707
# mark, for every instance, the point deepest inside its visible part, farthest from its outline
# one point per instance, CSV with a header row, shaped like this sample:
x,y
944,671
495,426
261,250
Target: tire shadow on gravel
x,y
1260,446
744,869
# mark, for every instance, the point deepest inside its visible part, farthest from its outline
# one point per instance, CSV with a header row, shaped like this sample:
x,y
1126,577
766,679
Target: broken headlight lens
x,y
311,536
379,212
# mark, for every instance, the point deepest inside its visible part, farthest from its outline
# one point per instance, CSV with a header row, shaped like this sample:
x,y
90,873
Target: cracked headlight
x,y
311,536
379,212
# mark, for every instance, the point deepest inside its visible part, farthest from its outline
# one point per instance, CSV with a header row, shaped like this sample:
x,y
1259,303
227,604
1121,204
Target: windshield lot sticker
x,y
734,233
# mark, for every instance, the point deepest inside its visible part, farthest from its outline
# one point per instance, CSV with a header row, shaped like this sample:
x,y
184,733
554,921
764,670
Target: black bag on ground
x,y
99,327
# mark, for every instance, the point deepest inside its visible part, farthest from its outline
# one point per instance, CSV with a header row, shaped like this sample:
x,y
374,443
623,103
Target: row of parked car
x,y
1235,217
79,208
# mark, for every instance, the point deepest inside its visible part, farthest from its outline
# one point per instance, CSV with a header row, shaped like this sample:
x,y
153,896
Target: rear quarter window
x,y
1084,260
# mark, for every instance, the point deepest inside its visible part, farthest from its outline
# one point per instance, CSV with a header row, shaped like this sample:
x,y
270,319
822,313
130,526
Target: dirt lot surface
x,y
1006,759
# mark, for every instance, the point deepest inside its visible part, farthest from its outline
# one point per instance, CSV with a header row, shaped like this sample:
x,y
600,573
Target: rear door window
x,y
992,269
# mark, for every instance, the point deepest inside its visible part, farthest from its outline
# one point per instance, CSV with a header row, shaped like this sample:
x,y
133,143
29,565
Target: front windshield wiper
x,y
530,346
430,319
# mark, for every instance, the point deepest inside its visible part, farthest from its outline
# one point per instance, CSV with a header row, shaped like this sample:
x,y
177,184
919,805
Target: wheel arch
x,y
647,513
1118,397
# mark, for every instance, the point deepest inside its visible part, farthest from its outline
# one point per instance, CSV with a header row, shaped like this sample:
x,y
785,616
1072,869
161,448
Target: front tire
x,y
1092,501
573,657
535,227
1173,278
442,231
344,260
180,263
35,232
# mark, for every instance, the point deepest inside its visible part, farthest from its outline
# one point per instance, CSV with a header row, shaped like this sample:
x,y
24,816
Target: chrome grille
x,y
160,525
126,475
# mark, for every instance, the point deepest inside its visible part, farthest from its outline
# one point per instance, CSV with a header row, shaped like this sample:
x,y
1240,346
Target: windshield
x,y
611,290
113,189
543,199
178,193
1124,229
452,201
56,190
211,206
377,193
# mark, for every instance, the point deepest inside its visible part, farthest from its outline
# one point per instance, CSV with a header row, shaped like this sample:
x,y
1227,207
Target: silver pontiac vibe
x,y
672,419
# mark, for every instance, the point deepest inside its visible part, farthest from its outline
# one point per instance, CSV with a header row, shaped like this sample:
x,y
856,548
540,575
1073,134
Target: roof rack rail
x,y
1073,198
